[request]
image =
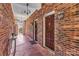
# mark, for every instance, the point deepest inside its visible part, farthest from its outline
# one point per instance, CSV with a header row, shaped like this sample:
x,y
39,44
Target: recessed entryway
x,y
49,31
35,30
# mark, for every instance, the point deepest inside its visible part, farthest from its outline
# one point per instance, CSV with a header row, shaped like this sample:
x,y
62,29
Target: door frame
x,y
34,28
47,14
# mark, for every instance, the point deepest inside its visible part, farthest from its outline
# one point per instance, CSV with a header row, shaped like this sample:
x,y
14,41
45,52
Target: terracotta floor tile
x,y
25,48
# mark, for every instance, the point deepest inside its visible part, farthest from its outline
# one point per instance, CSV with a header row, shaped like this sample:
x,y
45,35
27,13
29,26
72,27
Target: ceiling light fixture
x,y
27,11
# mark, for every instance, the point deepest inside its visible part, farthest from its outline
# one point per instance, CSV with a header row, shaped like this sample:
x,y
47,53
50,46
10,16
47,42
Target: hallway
x,y
25,48
39,29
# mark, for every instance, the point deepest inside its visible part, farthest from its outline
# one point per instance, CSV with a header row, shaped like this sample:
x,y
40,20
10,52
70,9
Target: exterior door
x,y
49,31
35,31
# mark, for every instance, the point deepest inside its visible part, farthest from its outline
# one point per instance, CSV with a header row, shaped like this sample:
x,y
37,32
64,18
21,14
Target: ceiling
x,y
19,8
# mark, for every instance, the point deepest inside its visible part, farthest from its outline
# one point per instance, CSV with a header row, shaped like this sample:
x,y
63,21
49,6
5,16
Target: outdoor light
x,y
27,11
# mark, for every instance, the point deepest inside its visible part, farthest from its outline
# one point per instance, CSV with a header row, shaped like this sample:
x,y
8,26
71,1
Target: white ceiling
x,y
19,8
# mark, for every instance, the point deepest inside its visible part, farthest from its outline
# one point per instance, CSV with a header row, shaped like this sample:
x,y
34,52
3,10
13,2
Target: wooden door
x,y
49,31
35,31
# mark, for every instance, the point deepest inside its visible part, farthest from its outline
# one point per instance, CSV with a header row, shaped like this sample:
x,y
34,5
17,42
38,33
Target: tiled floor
x,y
25,48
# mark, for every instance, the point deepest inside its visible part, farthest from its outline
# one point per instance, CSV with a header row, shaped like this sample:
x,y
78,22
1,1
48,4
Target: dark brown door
x,y
49,31
35,31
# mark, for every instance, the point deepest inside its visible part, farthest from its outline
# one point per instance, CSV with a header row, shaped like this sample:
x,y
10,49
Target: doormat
x,y
32,42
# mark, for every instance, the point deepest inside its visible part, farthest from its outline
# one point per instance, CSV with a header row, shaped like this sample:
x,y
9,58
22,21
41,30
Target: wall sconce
x,y
60,15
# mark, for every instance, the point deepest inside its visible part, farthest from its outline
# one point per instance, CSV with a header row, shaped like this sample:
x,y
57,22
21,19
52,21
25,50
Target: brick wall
x,y
40,31
7,22
65,44
66,28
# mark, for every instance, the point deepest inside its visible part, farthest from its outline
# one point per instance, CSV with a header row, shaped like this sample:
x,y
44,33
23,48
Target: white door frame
x,y
34,28
50,13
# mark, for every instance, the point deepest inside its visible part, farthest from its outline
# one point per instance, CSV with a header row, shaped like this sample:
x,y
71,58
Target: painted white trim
x,y
50,13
